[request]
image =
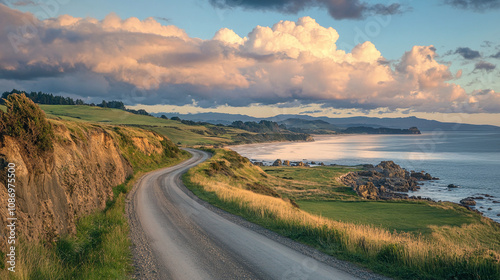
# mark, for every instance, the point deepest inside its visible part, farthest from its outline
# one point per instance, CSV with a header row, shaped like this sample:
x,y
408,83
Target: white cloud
x,y
147,61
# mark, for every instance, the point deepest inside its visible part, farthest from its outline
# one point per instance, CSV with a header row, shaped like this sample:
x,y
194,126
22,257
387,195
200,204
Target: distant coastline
x,y
444,157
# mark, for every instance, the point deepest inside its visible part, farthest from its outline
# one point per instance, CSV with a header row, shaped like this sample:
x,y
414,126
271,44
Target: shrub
x,y
25,121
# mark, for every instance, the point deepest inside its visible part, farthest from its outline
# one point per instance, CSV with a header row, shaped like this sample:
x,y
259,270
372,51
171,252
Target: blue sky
x,y
446,26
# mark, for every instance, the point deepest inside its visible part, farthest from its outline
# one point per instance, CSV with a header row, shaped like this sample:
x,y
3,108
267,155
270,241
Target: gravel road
x,y
178,236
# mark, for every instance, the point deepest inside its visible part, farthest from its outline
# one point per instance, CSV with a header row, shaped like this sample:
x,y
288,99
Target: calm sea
x,y
468,159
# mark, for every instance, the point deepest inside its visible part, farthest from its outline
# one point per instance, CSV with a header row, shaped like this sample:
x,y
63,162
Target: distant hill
x,y
310,126
380,130
213,118
299,121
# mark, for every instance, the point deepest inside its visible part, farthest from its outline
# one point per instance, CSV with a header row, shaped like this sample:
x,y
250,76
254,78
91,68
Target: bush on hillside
x,y
26,122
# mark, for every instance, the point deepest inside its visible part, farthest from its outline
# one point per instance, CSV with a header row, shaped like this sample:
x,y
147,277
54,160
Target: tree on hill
x,y
112,104
138,112
42,98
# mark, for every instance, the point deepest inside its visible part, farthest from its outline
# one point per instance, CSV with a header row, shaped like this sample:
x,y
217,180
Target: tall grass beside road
x,y
447,253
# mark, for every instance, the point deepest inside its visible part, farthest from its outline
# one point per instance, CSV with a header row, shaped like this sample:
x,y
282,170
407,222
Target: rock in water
x,y
277,162
421,176
468,201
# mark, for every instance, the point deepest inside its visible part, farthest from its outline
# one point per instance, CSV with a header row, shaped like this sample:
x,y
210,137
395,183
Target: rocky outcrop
x,y
414,130
75,178
421,176
368,191
277,162
468,201
385,181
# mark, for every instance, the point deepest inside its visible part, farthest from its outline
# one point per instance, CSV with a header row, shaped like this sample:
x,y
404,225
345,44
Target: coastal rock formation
x,y
468,201
368,191
422,176
384,181
277,162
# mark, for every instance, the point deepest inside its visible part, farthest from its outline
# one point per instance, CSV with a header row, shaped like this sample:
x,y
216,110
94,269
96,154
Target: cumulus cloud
x,y
468,53
476,5
338,9
484,65
150,63
486,100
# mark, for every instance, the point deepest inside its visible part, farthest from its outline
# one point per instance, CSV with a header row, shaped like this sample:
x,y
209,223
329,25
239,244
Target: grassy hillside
x,y
178,132
402,239
317,183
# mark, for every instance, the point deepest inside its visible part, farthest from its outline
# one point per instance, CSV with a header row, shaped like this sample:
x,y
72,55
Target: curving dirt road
x,y
177,236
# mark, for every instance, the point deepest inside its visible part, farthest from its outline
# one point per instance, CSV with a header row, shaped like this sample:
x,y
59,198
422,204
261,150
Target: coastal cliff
x,y
73,177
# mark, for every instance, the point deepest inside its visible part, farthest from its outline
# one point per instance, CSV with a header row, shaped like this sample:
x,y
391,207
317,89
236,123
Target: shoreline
x,y
393,195
436,190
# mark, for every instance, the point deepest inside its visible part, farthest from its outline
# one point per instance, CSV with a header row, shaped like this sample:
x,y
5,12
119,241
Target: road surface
x,y
177,237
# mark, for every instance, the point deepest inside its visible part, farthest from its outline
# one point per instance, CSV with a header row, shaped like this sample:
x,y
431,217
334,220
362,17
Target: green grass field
x,y
312,183
317,191
179,133
403,216
319,174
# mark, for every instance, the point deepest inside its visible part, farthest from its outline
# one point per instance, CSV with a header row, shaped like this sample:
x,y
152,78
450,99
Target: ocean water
x,y
468,159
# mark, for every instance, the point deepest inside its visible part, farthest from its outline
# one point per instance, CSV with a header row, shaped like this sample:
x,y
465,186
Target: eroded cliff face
x,y
56,187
